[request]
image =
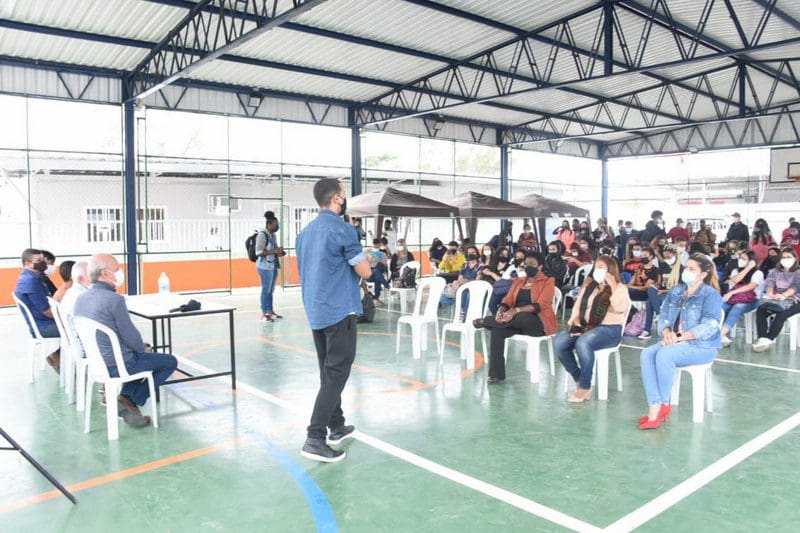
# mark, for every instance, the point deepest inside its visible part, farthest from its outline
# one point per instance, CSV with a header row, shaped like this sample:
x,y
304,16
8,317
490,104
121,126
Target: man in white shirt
x,y
391,236
80,284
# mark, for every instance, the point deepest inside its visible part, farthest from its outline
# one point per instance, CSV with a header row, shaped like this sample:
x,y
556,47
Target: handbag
x,y
746,297
636,326
501,287
776,305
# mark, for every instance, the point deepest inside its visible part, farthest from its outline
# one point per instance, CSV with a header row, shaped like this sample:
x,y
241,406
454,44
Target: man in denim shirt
x,y
33,292
330,261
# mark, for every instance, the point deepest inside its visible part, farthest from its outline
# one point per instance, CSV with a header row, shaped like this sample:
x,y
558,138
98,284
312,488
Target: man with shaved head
x,y
102,304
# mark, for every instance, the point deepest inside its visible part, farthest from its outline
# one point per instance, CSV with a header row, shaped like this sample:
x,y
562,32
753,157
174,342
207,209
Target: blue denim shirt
x,y
700,314
33,293
327,249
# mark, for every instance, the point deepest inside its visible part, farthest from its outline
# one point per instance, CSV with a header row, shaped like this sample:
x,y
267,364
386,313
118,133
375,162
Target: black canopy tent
x,y
542,208
474,205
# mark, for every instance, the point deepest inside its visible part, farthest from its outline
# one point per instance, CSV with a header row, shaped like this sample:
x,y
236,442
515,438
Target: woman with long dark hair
x,y
741,291
596,323
781,299
761,239
689,325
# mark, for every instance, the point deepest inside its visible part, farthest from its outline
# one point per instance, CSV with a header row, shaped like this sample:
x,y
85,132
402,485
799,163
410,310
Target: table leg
x,y
169,336
233,351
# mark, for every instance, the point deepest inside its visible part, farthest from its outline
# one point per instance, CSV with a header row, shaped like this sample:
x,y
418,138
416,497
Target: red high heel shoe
x,y
662,416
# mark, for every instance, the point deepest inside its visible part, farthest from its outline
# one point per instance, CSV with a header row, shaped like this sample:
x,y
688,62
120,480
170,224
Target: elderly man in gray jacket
x,y
102,304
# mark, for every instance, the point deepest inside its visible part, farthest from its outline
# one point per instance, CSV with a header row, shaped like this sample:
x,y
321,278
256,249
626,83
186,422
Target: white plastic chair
x,y
701,386
794,325
601,370
479,295
749,326
578,278
39,347
533,346
77,363
67,373
402,292
419,320
98,373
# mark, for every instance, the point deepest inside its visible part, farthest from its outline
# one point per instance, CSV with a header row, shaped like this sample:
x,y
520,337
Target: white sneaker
x,y
726,341
645,335
762,344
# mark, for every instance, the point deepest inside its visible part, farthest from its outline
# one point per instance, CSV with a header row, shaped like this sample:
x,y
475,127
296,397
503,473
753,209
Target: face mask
x,y
518,260
742,263
531,271
628,230
451,251
787,262
50,270
688,277
40,266
504,256
637,253
584,246
487,253
344,207
552,252
599,274
277,227
681,249
472,257
574,254
645,260
670,261
119,280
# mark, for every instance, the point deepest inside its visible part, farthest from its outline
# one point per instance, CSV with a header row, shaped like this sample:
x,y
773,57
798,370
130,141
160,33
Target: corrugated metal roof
x,y
520,13
302,49
281,80
66,50
405,24
133,19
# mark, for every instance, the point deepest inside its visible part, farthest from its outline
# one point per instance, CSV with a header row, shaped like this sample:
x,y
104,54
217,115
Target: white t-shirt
x,y
391,236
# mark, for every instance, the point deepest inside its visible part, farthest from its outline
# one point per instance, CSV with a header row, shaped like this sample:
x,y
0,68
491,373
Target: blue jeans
x,y
162,366
654,301
659,364
584,346
267,288
734,311
379,280
48,330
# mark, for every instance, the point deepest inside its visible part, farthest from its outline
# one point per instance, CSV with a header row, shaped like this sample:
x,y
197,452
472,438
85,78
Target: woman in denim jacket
x,y
689,325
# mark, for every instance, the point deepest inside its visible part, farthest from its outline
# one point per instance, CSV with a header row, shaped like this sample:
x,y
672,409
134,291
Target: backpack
x,y
369,309
250,245
636,326
409,279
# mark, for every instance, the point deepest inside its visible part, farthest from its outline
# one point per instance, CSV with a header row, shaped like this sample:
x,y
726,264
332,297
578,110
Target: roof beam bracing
x,y
658,12
780,13
213,33
525,66
776,128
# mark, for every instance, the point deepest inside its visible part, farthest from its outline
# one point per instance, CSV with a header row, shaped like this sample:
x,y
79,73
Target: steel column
x,y
355,154
505,156
604,185
129,196
608,38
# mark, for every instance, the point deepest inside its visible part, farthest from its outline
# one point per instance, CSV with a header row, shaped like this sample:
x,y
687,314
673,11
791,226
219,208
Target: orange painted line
x,y
115,476
357,366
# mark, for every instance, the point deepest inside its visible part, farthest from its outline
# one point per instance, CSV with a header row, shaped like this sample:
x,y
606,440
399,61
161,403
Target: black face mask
x,y
519,261
472,257
645,260
344,207
531,271
40,266
452,251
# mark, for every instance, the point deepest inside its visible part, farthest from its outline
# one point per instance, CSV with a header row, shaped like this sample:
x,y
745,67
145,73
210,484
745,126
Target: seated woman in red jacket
x,y
526,310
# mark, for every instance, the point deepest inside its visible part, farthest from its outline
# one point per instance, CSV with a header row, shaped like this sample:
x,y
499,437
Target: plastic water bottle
x,y
163,284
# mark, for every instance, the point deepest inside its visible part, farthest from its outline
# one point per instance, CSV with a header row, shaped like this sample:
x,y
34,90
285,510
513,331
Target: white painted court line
x,y
660,504
487,489
732,362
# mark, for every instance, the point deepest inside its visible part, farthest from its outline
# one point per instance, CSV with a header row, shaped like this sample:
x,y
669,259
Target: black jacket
x,y
651,231
738,232
556,268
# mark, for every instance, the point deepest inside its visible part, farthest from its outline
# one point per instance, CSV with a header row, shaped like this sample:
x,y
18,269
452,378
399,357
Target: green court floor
x,y
438,449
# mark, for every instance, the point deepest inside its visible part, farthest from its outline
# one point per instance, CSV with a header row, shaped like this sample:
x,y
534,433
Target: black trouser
x,y
522,323
336,350
449,277
778,320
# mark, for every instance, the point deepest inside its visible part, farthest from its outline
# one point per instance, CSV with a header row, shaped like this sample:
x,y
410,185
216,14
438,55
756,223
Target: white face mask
x,y
599,274
787,263
637,253
670,261
574,254
742,263
681,249
50,270
119,280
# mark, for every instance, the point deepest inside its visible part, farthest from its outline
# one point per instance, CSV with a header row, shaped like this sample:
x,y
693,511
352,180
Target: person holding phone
x,y
689,325
598,317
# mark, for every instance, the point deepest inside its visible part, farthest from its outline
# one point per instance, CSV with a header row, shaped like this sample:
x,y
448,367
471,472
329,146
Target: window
x,y
301,216
103,224
218,204
153,219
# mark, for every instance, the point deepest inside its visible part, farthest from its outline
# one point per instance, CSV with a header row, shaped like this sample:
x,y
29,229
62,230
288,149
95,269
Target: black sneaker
x,y
317,450
341,433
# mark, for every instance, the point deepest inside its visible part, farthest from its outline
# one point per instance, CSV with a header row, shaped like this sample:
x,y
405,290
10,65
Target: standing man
x,y
268,264
678,231
738,231
330,261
